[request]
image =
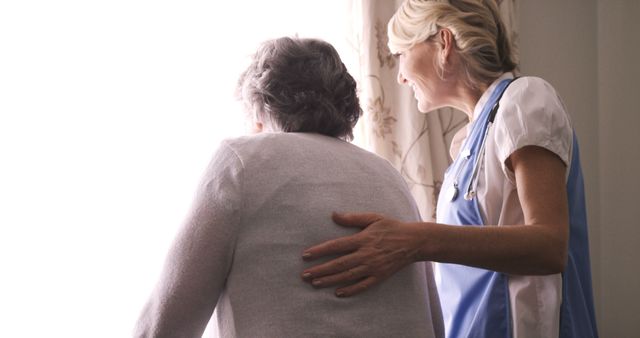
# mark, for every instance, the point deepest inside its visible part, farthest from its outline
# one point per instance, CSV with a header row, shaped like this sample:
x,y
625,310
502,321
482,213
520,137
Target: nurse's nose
x,y
401,79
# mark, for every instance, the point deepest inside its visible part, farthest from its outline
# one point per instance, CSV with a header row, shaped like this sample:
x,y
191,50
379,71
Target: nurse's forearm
x,y
535,249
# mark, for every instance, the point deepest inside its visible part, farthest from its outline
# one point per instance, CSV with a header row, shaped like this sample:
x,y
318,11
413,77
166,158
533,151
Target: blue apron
x,y
475,302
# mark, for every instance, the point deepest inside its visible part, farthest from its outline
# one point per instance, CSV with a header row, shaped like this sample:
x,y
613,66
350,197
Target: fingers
x,y
349,268
357,288
332,267
332,247
344,274
344,244
359,220
349,275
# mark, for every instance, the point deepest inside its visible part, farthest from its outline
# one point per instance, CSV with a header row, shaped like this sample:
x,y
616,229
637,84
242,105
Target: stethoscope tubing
x,y
473,182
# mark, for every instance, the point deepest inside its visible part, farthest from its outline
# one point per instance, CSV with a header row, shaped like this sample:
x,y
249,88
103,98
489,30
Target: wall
x,y
588,49
619,120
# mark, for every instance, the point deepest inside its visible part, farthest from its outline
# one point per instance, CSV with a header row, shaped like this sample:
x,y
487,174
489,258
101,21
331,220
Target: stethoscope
x,y
471,192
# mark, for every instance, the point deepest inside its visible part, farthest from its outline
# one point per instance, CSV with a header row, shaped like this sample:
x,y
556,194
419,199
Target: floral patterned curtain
x,y
417,144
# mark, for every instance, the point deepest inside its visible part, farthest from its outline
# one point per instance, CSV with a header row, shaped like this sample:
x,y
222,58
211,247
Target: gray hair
x,y
300,85
480,35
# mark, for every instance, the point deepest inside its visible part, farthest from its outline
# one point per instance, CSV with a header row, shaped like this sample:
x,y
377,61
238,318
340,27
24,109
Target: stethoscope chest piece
x,y
471,191
452,191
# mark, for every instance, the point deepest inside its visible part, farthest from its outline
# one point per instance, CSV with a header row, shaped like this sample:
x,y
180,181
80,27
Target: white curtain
x,y
416,144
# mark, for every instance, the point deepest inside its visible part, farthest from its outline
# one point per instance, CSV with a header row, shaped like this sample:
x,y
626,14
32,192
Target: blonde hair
x,y
480,36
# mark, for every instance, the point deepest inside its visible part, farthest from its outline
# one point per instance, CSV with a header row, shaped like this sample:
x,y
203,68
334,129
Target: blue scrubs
x,y
475,302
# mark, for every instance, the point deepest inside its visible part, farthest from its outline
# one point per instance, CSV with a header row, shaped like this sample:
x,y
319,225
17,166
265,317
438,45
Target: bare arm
x,y
537,247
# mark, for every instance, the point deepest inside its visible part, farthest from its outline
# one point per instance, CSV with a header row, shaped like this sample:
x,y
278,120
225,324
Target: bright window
x,y
109,112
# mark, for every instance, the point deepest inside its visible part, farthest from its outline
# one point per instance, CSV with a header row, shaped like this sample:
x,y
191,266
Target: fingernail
x,y
306,255
306,275
316,282
340,293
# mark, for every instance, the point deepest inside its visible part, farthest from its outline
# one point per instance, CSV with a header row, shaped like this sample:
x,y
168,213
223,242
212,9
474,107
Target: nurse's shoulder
x,y
532,114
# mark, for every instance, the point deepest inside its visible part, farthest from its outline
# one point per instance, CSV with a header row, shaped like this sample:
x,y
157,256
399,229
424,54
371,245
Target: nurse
x,y
510,239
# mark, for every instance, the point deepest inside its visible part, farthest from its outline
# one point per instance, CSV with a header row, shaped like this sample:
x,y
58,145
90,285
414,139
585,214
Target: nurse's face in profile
x,y
418,70
435,73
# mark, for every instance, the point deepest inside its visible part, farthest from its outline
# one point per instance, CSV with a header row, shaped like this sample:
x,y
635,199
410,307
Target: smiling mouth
x,y
415,92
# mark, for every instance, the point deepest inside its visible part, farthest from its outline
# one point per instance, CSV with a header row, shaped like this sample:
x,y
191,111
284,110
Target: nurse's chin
x,y
427,107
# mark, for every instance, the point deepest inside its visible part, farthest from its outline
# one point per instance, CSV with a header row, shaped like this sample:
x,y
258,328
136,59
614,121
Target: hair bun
x,y
303,86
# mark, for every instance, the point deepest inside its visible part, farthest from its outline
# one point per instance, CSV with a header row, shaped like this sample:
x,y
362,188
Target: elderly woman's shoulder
x,y
276,139
271,145
276,143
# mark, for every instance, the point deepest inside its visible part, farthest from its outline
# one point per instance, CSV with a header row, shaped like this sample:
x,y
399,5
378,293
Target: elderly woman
x,y
266,197
511,231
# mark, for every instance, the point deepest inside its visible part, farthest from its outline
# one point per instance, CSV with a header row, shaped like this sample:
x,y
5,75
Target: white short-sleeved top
x,y
531,114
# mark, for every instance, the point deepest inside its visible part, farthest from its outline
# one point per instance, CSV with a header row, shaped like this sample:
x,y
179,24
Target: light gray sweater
x,y
263,200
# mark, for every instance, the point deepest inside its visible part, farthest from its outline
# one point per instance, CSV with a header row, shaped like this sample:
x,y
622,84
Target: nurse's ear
x,y
446,42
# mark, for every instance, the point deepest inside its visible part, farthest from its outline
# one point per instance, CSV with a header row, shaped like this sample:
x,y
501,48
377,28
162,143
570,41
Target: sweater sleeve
x,y
197,265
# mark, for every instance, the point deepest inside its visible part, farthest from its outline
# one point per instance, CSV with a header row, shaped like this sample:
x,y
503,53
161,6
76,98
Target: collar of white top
x,y
487,94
